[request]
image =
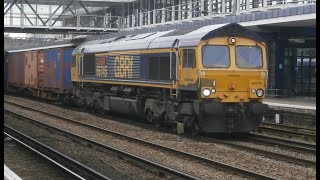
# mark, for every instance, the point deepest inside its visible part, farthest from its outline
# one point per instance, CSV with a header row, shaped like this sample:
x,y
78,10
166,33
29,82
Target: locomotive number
x,y
256,83
123,66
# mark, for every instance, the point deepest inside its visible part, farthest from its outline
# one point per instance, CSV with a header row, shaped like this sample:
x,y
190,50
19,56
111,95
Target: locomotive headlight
x,y
213,91
253,91
206,92
260,92
232,40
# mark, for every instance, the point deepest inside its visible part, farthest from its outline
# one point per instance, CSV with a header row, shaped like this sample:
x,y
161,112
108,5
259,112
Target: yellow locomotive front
x,y
232,69
233,80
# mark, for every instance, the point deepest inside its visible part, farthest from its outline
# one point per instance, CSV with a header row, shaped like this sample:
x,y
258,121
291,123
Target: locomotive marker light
x,y
260,92
232,40
206,92
214,83
213,91
253,91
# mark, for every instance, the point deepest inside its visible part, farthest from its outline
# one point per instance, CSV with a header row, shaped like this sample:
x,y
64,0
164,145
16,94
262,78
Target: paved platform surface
x,y
10,175
296,104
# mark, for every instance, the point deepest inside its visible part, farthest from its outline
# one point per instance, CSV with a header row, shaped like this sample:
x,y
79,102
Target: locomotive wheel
x,y
149,115
173,127
195,129
156,121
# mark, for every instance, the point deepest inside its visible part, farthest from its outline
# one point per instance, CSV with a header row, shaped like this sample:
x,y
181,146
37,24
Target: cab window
x,y
248,57
189,58
216,56
89,63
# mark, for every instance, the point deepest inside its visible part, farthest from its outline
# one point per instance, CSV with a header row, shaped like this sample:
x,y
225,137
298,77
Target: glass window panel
x,y
306,52
299,62
189,58
248,56
313,62
313,52
216,56
306,62
299,50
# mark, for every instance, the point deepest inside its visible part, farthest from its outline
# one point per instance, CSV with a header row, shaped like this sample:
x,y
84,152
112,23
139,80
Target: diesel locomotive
x,y
212,79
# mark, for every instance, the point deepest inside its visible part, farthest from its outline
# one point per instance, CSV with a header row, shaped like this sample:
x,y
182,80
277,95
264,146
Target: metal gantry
x,y
112,15
69,16
145,12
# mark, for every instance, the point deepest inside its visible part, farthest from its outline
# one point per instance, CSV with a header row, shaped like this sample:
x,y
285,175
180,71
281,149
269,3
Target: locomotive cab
x,y
233,80
234,72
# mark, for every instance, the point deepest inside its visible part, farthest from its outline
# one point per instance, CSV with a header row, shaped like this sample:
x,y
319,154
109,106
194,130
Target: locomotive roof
x,y
43,48
166,39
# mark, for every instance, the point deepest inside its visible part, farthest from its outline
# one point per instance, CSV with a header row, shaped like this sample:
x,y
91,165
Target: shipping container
x,y
16,68
11,68
57,71
51,68
67,58
34,69
40,70
30,69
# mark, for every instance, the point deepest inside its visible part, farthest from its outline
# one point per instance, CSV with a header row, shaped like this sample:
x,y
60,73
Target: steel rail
x,y
290,127
285,132
262,152
307,147
221,165
68,164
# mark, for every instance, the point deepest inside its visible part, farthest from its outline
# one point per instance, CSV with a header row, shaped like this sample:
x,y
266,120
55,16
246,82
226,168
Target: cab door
x,y
188,74
76,67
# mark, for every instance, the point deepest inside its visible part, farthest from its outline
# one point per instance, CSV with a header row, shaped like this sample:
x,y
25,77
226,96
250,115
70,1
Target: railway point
x,y
244,70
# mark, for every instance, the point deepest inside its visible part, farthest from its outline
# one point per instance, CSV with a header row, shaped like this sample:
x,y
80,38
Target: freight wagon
x,y
15,70
42,72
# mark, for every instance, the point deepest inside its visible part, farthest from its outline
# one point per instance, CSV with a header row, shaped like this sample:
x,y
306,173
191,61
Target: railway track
x,y
219,165
262,152
261,138
290,127
285,143
131,157
266,128
288,131
69,165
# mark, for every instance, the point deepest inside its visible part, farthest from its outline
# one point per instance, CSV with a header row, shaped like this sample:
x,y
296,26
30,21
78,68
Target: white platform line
x,y
10,175
291,106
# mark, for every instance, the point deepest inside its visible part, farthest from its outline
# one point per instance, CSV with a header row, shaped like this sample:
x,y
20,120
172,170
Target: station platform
x,y
10,175
303,105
